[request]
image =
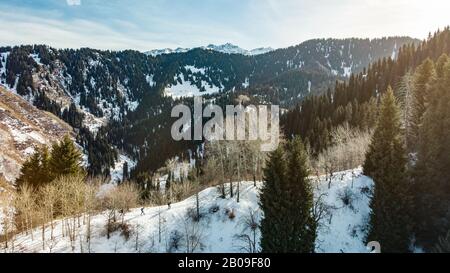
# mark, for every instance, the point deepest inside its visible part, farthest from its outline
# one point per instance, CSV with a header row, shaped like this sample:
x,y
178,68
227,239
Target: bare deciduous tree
x,y
248,237
193,234
347,152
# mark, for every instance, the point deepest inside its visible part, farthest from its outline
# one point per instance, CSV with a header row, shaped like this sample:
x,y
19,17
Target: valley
x,y
89,164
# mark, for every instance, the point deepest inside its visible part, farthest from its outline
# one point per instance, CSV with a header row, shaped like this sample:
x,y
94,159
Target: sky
x,y
152,24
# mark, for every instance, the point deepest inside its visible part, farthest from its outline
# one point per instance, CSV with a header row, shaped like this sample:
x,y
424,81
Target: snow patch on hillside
x,y
36,58
344,227
188,89
246,84
92,122
150,81
117,171
194,69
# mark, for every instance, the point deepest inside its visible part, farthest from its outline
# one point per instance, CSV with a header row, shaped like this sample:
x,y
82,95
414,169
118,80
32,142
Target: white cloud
x,y
76,33
73,2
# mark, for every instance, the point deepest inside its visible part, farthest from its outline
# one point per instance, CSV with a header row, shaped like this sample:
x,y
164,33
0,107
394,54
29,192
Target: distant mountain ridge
x,y
124,98
227,48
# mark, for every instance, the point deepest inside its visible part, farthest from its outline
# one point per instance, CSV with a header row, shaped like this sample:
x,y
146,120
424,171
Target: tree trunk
x,y
137,238
159,226
43,235
198,207
231,188
238,190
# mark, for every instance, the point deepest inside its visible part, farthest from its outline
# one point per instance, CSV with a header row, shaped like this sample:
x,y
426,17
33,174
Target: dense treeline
x,y
408,157
112,84
101,154
408,160
386,162
356,100
431,175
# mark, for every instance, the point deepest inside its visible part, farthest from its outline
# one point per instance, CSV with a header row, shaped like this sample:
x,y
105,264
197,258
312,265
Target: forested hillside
x,y
391,119
406,101
120,102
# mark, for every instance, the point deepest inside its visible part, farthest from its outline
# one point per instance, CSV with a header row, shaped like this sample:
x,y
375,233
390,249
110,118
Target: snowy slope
x,y
344,233
117,171
193,83
346,230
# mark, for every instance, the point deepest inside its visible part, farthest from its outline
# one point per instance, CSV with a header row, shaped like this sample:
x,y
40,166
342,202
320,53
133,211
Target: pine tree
x,y
272,203
424,74
301,199
35,171
125,173
29,170
386,164
440,66
45,173
65,158
287,202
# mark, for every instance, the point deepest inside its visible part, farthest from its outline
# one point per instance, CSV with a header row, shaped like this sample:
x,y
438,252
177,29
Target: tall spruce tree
x,y
287,200
385,163
272,203
301,199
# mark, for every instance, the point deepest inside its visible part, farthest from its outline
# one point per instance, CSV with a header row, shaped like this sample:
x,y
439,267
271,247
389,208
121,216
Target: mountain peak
x,y
227,48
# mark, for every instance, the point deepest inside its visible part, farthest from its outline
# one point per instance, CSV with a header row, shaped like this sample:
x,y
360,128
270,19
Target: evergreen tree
x,y
287,202
422,77
301,199
440,66
45,173
35,170
272,203
432,172
65,158
386,164
125,173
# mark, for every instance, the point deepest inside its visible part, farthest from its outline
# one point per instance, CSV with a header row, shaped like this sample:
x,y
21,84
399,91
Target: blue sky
x,y
150,24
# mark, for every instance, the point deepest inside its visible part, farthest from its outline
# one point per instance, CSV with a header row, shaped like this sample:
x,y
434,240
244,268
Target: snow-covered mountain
x,y
227,48
92,89
163,229
157,52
